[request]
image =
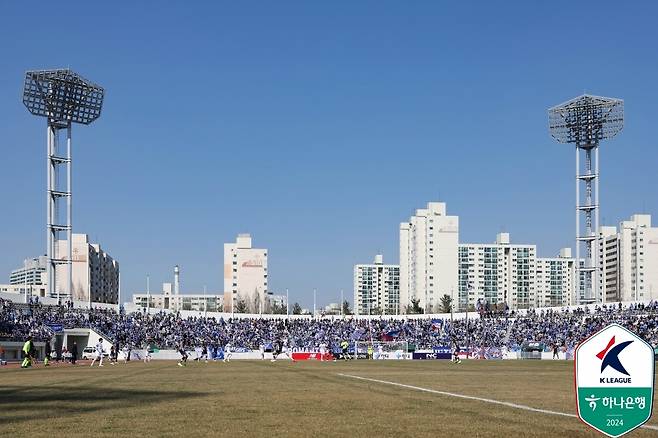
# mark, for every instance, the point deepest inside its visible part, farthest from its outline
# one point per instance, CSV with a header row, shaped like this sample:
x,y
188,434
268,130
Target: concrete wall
x,y
12,350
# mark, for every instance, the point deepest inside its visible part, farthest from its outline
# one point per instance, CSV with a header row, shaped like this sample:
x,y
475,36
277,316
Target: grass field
x,y
305,399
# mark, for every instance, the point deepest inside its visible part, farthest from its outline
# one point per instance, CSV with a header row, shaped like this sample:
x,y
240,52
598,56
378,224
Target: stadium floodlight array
x,y
585,121
63,97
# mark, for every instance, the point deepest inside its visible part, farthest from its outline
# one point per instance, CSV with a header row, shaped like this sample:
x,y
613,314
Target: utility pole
x,y
341,302
148,293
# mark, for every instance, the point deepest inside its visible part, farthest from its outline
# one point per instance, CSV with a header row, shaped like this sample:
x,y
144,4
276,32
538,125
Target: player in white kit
x,y
147,353
227,353
99,353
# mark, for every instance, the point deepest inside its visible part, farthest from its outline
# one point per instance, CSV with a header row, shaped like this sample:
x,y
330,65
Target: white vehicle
x,y
89,353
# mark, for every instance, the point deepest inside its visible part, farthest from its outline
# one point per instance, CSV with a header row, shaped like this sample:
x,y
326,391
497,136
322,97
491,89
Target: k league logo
x,y
610,358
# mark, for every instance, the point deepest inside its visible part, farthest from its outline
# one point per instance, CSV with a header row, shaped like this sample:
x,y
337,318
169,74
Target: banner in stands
x,y
56,328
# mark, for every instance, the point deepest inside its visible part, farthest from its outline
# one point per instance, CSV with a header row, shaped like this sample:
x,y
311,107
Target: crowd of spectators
x,y
169,330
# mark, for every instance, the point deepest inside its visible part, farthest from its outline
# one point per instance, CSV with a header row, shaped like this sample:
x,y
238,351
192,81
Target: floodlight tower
x,y
63,97
584,121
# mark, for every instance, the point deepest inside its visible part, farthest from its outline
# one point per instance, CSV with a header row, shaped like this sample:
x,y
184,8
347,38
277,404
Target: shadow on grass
x,y
18,404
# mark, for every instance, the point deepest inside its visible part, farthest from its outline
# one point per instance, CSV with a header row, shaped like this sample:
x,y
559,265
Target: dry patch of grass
x,y
254,398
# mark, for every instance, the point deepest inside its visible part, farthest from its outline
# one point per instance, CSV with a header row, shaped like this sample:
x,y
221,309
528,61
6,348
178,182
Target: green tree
x,y
346,308
255,305
296,309
241,306
446,304
414,308
278,309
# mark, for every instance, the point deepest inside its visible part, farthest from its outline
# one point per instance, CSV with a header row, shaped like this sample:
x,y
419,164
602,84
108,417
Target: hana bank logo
x,y
610,357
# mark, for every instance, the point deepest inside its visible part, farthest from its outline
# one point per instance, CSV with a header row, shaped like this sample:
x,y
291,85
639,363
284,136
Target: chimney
x,y
176,280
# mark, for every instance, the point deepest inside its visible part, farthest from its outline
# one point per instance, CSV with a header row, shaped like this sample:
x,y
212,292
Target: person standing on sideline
x,y
99,353
46,358
74,353
556,352
27,353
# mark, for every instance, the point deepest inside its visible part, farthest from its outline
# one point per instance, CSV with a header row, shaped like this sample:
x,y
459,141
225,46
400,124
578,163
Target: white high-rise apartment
x,y
377,288
629,262
556,280
245,275
497,273
608,262
95,273
429,257
638,259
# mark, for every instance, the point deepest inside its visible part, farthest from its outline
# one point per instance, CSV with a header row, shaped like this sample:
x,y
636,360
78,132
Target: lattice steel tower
x,y
584,121
63,97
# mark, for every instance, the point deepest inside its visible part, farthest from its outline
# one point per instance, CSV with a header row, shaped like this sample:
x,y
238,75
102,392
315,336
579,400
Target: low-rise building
x,y
34,272
210,302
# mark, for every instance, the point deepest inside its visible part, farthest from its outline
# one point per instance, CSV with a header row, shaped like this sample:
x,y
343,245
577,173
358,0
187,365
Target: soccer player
x,y
99,353
323,351
113,353
227,352
556,352
279,348
183,359
344,345
126,354
147,353
27,352
261,349
455,353
204,353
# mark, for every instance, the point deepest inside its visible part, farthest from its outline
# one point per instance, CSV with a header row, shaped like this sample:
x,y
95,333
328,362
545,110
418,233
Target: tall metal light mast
x,y
584,121
63,97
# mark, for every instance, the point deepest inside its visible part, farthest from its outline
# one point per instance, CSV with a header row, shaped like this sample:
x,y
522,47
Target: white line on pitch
x,y
470,397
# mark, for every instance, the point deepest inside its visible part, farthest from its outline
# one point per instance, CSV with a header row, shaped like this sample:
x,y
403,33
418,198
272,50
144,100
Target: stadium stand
x,y
506,330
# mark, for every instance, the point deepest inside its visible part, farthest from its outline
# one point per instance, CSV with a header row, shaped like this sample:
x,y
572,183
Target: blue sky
x,y
318,128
